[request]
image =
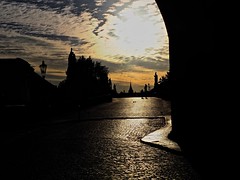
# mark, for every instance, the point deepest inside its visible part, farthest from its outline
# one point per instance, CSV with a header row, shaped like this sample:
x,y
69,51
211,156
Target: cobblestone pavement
x,y
93,149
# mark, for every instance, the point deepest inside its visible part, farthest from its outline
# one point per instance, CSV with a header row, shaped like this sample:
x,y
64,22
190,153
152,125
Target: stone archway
x,y
195,71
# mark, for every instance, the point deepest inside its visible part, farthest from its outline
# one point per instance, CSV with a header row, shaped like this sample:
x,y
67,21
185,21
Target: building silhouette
x,y
21,85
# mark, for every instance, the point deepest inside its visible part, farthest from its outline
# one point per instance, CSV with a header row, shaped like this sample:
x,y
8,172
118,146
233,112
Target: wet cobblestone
x,y
99,149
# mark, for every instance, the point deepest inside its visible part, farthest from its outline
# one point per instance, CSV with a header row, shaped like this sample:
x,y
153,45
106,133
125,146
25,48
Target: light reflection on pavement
x,y
101,144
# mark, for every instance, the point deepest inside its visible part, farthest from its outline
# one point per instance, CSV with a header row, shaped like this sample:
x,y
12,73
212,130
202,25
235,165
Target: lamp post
x,y
43,69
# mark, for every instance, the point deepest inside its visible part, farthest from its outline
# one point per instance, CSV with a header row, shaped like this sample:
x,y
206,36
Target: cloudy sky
x,y
127,36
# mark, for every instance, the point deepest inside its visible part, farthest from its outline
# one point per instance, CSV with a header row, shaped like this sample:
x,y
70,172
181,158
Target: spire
x,y
130,91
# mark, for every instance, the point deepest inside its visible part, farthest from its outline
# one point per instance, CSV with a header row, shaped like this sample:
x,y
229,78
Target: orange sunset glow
x,y
129,37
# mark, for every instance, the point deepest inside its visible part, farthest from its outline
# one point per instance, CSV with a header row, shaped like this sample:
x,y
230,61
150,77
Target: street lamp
x,y
43,68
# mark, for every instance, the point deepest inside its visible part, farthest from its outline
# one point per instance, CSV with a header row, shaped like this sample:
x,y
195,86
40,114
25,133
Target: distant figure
x,y
145,90
142,93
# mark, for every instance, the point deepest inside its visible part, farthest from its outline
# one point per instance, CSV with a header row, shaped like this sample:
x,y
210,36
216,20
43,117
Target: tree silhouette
x,y
163,88
85,80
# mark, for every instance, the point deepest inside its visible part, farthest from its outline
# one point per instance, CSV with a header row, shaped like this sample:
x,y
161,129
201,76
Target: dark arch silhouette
x,y
198,111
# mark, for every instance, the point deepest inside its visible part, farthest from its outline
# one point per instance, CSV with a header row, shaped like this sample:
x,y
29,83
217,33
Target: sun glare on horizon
x,y
132,39
132,33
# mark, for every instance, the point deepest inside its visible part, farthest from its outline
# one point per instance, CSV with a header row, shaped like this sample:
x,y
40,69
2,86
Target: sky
x,y
127,36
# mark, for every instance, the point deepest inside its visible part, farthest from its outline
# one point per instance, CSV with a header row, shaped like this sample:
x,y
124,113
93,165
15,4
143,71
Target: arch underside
x,y
195,71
